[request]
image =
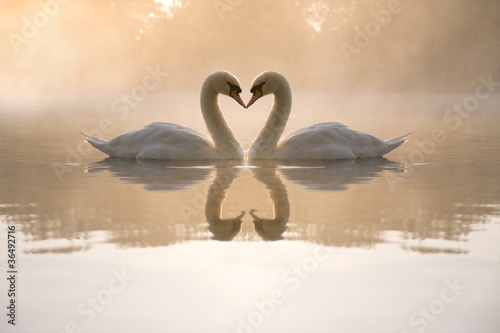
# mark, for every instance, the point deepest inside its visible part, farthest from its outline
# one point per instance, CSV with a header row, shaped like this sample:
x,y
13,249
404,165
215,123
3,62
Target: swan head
x,y
225,83
266,83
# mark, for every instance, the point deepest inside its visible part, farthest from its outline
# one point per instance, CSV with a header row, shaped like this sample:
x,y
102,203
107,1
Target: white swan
x,y
325,141
166,141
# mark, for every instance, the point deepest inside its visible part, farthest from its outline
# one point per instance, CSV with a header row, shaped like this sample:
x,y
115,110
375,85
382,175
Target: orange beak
x,y
237,98
257,94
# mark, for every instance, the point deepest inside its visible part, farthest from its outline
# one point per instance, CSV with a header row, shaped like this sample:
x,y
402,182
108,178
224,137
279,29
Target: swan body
x,y
158,141
324,141
333,141
167,141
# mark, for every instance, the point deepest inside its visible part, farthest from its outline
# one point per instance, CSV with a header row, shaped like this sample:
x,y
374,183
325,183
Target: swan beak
x,y
257,94
255,217
234,94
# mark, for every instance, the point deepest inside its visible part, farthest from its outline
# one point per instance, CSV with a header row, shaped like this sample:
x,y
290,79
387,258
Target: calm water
x,y
409,243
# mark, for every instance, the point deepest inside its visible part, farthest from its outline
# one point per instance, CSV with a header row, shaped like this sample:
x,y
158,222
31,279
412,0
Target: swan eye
x,y
257,87
233,87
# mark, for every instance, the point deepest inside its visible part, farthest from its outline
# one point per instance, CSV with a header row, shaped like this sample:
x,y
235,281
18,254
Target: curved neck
x,y
269,136
224,140
274,228
222,229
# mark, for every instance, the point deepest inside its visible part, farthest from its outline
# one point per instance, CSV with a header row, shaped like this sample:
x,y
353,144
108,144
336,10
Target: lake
x,y
404,243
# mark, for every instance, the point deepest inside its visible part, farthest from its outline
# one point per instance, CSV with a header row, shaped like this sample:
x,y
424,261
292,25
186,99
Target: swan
x,y
167,141
324,141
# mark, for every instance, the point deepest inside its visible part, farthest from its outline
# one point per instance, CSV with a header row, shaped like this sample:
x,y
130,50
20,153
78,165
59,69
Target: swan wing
x,y
161,141
176,128
316,128
333,141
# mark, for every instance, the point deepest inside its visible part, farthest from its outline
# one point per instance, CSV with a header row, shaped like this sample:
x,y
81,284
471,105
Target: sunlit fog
x,y
53,47
250,166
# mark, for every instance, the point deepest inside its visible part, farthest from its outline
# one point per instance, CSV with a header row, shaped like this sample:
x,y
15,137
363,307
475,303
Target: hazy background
x,y
100,47
80,216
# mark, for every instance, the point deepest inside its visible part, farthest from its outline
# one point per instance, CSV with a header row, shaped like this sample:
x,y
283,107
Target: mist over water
x,y
57,47
403,243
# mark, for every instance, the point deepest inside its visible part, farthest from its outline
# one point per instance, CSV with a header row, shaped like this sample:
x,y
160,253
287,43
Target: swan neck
x,y
269,136
224,139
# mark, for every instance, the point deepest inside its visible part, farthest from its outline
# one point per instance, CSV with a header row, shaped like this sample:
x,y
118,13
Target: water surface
x,y
405,243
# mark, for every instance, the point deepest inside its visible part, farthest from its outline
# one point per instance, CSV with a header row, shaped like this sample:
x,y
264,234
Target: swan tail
x,y
96,142
398,140
395,142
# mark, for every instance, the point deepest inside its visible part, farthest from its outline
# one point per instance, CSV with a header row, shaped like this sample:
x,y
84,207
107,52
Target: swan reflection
x,y
222,229
272,228
179,175
158,175
155,175
336,175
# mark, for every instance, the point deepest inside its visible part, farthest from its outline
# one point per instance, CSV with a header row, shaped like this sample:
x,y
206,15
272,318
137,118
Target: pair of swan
x,y
324,141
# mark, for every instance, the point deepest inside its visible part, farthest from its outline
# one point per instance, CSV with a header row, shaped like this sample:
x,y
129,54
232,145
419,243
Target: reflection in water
x,y
448,207
130,203
178,175
312,175
222,229
155,175
336,175
267,228
311,202
339,203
